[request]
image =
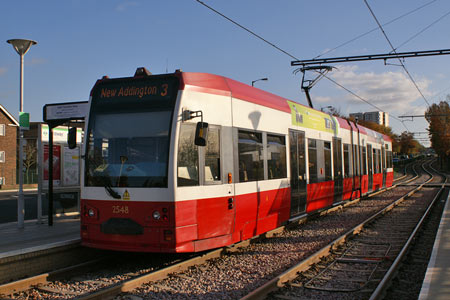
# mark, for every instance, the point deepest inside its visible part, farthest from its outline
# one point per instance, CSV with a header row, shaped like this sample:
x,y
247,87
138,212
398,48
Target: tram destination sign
x,y
122,94
138,90
66,111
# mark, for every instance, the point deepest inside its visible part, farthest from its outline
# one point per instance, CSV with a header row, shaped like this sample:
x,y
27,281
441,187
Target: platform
x,y
35,237
436,284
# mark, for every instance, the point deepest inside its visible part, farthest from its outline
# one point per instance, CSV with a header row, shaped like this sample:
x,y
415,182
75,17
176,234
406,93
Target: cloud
x,y
322,99
125,5
414,110
441,76
3,71
390,91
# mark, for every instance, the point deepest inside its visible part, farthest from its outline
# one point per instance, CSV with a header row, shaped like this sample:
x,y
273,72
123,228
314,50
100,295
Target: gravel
x,y
235,274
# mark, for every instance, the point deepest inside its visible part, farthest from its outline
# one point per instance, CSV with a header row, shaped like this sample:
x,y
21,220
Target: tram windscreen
x,y
128,136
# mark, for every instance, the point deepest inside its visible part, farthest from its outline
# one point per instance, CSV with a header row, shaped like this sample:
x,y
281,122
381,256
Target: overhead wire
x,y
437,94
421,31
362,99
246,29
292,56
393,50
374,29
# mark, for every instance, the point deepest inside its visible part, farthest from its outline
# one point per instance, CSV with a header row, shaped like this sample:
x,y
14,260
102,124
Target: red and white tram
x,y
185,162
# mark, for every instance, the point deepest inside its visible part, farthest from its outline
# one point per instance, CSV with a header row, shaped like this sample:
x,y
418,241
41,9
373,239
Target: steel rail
x,y
380,191
292,273
439,172
395,185
385,282
130,284
127,285
27,283
133,283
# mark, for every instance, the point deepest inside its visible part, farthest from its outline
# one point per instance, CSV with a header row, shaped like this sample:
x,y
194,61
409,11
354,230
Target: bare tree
x,y
30,159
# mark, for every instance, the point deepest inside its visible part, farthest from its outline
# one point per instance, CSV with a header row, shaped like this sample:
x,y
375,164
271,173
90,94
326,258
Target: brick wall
x,y
8,143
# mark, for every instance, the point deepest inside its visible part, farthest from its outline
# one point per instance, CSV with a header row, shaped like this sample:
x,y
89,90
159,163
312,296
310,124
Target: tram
x,y
186,162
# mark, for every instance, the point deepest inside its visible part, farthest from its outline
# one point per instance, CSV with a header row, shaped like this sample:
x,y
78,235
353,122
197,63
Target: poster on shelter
x,y
56,164
71,166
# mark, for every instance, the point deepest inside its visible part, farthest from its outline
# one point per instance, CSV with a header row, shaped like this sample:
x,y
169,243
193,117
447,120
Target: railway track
x,y
362,266
32,262
407,283
233,273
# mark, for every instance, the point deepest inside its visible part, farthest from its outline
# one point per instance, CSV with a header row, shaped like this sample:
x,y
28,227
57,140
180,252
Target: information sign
x,y
71,166
66,111
24,120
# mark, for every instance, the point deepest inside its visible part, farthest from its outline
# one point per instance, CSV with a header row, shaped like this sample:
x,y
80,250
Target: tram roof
x,y
220,85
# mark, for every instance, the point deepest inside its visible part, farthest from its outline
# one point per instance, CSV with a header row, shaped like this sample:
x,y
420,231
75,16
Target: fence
x,y
10,177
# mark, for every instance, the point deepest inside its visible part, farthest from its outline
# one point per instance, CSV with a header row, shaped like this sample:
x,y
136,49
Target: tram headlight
x,y
156,215
91,212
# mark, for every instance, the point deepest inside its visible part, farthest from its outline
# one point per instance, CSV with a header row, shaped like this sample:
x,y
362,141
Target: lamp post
x,y
21,46
265,79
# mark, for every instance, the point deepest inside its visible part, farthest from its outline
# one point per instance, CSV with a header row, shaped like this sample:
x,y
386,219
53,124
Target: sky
x,y
79,41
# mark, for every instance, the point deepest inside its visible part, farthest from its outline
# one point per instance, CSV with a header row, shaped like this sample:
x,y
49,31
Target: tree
x,y
438,117
408,145
30,159
384,130
404,144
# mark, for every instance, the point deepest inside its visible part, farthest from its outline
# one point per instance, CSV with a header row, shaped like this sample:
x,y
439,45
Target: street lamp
x,y
253,82
21,46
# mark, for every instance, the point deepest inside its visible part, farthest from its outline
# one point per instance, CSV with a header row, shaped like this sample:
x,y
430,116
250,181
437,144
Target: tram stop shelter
x,y
54,115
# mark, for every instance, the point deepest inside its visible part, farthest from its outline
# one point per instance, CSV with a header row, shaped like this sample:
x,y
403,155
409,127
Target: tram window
x,y
312,160
251,162
377,161
212,156
187,156
337,158
327,154
389,159
347,160
364,161
276,156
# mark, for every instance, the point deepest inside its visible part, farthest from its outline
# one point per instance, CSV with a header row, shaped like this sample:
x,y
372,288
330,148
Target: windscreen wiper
x,y
110,191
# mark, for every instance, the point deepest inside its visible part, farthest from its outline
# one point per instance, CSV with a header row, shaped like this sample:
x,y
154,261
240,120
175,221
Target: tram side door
x,y
337,166
370,166
298,171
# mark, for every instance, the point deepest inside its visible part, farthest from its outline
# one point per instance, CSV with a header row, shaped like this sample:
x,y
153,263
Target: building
x,y
9,141
379,117
8,149
357,116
